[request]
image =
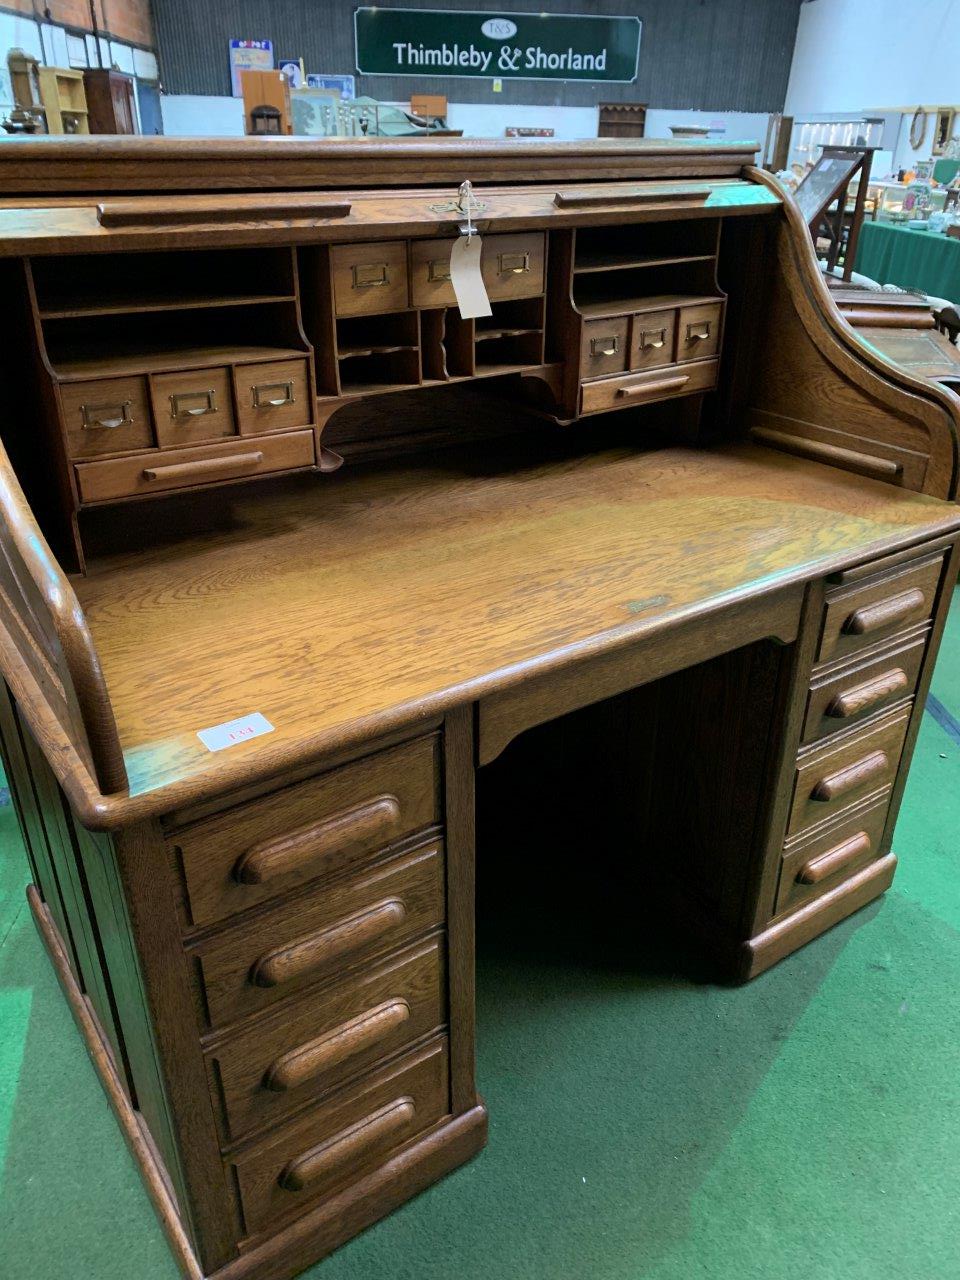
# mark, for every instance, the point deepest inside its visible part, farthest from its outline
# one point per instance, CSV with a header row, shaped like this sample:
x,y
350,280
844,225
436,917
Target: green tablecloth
x,y
922,260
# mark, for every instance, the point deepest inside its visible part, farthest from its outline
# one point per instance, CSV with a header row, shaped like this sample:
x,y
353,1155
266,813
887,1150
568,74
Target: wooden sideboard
x,y
315,594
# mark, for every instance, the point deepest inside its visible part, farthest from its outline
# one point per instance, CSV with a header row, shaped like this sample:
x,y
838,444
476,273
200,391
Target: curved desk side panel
x,y
47,655
822,391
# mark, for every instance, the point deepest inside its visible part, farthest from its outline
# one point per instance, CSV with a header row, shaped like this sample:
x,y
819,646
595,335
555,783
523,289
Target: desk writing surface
x,y
329,605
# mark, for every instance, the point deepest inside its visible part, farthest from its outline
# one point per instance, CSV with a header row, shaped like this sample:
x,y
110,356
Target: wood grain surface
x,y
341,608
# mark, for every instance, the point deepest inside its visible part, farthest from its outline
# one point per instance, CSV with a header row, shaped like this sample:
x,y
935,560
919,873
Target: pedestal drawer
x,y
839,699
305,1049
814,867
268,846
249,967
841,773
144,473
864,615
315,1154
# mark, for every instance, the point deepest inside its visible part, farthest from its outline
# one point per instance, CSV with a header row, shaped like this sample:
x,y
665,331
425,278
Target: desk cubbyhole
x,y
85,285
511,336
645,244
378,353
158,341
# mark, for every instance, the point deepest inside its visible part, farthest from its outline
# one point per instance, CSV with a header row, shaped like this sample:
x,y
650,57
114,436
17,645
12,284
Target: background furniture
x,y
621,119
921,260
259,737
111,102
823,199
266,95
64,100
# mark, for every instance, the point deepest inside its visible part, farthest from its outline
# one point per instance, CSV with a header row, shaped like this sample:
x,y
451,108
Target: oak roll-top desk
x,y
667,599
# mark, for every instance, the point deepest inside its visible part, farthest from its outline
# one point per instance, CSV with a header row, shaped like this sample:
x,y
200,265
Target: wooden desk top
x,y
369,600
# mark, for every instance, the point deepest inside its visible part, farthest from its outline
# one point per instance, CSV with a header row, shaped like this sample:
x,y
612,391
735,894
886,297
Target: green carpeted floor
x,y
643,1126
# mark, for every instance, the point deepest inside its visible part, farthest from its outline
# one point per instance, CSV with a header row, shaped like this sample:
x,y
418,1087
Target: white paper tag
x,y
234,731
466,278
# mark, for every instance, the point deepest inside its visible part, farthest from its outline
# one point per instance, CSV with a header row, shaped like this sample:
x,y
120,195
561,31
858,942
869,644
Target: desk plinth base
x,y
794,931
306,1240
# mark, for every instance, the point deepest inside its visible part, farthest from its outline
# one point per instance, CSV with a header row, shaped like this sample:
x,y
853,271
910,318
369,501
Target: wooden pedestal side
x,y
395,1105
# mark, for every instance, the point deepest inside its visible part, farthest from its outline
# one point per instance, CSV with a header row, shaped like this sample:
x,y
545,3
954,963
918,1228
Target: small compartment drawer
x,y
250,967
273,844
652,339
839,774
605,347
272,396
698,331
430,273
285,1175
305,1050
639,388
863,615
512,265
111,415
839,699
194,405
147,473
814,867
369,279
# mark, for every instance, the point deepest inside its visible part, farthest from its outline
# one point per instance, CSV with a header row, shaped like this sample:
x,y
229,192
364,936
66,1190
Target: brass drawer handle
x,y
92,415
658,342
438,270
370,275
315,952
512,263
605,346
348,1146
652,388
307,1061
695,334
884,613
203,468
852,701
834,859
177,409
263,400
306,849
850,777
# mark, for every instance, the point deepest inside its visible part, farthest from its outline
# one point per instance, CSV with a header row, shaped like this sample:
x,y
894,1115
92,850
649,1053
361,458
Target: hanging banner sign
x,y
514,46
248,55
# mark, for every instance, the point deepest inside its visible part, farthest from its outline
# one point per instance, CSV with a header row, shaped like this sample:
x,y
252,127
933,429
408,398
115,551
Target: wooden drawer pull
x,y
627,195
307,1061
205,468
831,454
654,388
851,776
834,859
884,613
307,847
852,701
287,964
349,1146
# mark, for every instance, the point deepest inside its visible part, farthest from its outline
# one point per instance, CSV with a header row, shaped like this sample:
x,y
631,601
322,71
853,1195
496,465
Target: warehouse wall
x,y
711,55
126,20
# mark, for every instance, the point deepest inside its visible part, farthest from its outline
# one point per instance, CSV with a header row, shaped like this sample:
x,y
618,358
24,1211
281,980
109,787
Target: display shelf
x,y
76,308
104,365
651,302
